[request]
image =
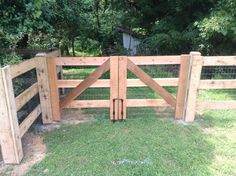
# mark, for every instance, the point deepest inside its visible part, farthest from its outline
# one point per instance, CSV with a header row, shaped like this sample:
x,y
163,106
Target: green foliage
x,y
218,29
9,59
90,26
19,18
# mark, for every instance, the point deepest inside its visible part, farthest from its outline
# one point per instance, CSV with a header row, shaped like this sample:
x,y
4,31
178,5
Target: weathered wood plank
x,y
25,96
217,84
44,89
21,68
219,61
155,60
80,61
106,103
10,140
106,83
147,103
89,104
195,74
216,105
114,87
85,84
138,60
29,120
182,86
145,78
122,87
54,92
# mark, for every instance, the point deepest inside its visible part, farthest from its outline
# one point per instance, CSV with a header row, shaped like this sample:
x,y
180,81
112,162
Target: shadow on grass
x,y
218,118
137,146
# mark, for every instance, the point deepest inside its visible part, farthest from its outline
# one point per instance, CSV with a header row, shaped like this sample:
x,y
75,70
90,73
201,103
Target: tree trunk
x,y
73,46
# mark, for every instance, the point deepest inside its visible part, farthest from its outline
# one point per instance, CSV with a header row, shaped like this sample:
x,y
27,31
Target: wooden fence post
x,y
182,87
196,61
44,87
11,145
54,91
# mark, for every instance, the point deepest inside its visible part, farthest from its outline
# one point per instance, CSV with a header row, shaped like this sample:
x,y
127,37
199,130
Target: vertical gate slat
x,y
122,87
114,85
194,79
54,92
9,128
182,86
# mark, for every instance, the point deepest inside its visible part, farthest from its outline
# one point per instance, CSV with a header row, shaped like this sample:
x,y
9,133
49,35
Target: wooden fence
x,y
48,85
11,131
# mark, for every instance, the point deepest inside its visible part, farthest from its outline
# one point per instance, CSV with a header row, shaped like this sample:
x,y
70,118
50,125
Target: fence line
x,y
47,67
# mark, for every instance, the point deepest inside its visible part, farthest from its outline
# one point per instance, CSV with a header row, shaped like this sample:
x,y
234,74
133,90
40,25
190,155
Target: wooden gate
x,y
118,83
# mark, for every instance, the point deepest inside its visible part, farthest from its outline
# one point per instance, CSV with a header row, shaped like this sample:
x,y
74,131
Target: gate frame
x,y
119,65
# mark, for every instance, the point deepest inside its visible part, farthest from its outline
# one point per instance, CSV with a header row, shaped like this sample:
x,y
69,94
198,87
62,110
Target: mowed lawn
x,y
144,144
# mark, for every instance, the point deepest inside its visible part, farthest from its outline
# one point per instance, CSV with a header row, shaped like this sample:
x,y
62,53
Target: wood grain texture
x,y
106,103
216,105
80,61
217,84
182,86
122,87
114,87
147,103
195,74
21,68
44,89
145,78
106,82
138,60
88,104
10,140
155,60
25,96
85,84
54,92
29,120
219,61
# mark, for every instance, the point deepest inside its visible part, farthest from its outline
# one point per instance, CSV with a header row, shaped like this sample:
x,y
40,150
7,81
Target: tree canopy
x,y
90,26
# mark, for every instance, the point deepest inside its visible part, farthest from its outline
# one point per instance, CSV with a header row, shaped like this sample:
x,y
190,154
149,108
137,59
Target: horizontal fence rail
x,y
212,61
219,61
96,61
106,82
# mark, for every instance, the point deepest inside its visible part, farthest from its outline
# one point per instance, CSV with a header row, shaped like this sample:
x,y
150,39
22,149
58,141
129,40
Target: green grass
x,y
206,147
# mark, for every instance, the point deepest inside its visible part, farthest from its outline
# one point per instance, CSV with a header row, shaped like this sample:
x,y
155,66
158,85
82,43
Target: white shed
x,y
130,41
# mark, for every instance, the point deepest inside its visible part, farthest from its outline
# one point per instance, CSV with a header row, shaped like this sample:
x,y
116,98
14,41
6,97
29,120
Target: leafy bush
x,y
9,59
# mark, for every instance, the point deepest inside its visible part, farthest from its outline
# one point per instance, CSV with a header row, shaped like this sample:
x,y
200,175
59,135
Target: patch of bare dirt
x,y
34,151
75,116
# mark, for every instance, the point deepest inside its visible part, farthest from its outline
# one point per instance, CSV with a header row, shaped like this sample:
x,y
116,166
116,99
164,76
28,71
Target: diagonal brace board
x,y
145,78
86,83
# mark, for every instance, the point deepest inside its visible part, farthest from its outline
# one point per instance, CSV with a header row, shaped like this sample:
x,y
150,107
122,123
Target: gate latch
x,y
122,108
